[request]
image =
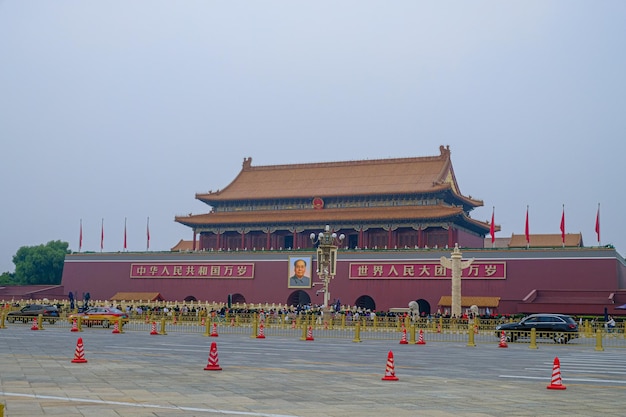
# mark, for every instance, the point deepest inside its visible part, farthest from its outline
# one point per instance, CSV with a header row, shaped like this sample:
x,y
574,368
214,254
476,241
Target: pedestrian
x,y
610,325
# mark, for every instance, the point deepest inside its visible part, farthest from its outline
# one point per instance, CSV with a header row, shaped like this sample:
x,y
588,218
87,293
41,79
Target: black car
x,y
559,327
50,313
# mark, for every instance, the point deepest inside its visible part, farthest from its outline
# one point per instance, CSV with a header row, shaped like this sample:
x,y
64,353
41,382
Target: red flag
x,y
526,229
492,227
598,223
563,225
80,236
124,233
102,236
148,234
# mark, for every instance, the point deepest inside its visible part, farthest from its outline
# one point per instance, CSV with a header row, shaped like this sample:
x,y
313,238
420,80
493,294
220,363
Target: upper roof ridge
x,y
445,154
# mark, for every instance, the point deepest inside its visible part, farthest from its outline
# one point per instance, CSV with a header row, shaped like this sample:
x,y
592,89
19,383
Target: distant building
x,y
32,292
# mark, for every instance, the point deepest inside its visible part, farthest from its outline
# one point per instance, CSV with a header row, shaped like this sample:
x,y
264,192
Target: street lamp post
x,y
326,259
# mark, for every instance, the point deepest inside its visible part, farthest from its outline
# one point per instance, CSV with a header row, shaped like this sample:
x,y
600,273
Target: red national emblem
x,y
318,203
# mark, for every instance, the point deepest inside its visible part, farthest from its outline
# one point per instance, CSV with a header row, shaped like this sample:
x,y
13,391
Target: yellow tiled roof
x,y
332,179
137,296
546,240
183,246
325,215
492,302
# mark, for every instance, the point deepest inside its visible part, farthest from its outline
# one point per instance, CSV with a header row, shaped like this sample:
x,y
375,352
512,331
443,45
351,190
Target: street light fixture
x,y
327,242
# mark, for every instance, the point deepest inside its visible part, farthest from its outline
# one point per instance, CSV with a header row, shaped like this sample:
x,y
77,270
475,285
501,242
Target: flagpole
x,y
527,231
493,228
80,236
125,245
102,235
598,224
148,235
563,226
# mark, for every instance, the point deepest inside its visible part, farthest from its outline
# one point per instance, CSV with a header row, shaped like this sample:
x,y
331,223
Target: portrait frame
x,y
291,272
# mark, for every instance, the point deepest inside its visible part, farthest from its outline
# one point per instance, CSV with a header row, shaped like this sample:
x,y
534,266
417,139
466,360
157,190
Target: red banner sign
x,y
424,270
193,270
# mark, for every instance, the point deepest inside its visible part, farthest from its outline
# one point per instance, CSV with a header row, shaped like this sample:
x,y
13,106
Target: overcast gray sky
x,y
126,109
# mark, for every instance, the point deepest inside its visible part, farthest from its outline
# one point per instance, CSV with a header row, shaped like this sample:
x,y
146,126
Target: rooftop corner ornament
x,y
456,265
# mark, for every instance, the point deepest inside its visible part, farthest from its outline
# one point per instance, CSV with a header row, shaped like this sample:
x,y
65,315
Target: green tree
x,y
7,278
41,264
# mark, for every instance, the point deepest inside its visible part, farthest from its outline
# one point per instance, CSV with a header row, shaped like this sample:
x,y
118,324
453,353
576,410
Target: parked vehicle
x,y
50,313
559,327
100,316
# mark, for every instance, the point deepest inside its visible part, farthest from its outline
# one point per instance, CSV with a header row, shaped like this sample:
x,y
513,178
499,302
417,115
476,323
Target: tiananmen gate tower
x,y
399,217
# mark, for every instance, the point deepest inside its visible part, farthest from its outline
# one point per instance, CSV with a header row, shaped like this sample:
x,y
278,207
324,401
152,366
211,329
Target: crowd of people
x,y
285,313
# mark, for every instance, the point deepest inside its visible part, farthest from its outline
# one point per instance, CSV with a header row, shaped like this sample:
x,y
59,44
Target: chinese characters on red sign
x,y
424,270
192,270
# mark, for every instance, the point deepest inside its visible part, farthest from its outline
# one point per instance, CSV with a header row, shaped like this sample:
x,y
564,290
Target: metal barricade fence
x,y
343,327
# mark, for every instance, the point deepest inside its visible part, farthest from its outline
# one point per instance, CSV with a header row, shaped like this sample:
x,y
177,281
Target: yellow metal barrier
x,y
470,337
255,328
303,337
341,325
357,333
207,325
533,339
40,321
2,326
412,335
120,326
599,340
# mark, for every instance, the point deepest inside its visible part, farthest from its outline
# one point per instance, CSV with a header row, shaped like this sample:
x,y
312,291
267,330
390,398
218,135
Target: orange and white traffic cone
x,y
174,319
202,322
403,341
35,326
232,322
74,326
79,354
214,331
261,334
116,328
213,364
153,331
309,334
420,340
503,341
390,373
556,382
293,323
439,328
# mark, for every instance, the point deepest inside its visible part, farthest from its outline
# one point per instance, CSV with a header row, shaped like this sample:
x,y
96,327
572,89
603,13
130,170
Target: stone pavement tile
x,y
55,408
108,411
22,407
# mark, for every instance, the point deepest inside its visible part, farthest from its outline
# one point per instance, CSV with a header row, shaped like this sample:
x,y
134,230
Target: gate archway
x,y
424,307
238,299
298,298
365,302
